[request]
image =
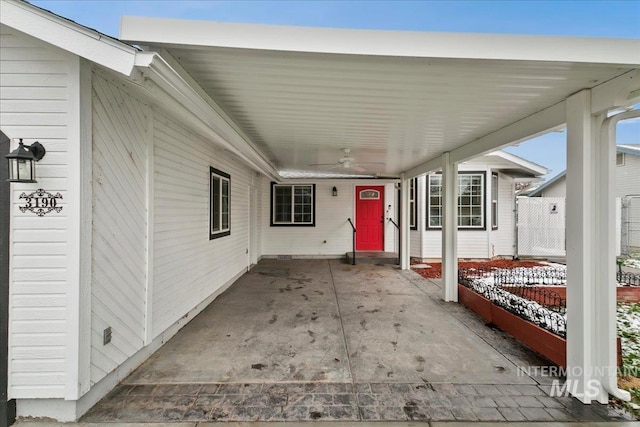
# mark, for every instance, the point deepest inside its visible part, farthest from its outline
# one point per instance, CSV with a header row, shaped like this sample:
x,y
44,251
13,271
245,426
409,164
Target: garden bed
x,y
548,344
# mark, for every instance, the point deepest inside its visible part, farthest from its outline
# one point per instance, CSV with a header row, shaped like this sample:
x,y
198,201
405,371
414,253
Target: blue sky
x,y
565,18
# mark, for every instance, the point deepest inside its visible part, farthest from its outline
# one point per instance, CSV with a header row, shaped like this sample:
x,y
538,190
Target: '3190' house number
x,y
40,202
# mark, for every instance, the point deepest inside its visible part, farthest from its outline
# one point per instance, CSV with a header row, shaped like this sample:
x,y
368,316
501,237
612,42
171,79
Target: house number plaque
x,y
40,202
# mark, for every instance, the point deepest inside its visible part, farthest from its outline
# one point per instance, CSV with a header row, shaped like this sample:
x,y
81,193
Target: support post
x,y
7,407
404,222
449,228
586,259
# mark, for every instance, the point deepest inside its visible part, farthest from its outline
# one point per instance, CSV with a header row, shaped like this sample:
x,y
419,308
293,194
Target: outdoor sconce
x,y
334,191
22,162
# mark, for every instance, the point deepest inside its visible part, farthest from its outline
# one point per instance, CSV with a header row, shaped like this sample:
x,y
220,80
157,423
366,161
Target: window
x,y
619,159
470,200
413,204
494,201
293,205
219,204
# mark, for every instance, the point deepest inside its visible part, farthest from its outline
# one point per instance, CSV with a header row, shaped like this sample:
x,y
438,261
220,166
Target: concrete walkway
x,y
322,340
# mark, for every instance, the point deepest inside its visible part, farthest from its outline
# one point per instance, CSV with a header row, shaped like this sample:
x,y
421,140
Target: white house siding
x,y
557,189
479,243
119,225
188,267
332,235
415,236
502,240
628,176
34,104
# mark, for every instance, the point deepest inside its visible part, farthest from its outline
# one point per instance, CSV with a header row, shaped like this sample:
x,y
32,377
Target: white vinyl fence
x,y
631,224
541,226
541,223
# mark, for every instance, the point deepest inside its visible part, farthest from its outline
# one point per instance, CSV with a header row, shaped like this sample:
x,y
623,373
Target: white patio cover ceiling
x,y
398,98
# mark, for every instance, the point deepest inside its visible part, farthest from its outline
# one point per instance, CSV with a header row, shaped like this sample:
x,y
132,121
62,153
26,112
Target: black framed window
x,y
471,205
494,201
413,204
293,204
220,204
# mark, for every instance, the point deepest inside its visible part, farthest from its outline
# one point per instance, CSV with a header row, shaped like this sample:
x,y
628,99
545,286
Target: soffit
x,y
303,107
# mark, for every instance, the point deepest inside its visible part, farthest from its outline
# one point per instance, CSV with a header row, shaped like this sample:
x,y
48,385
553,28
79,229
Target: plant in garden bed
x,y
629,331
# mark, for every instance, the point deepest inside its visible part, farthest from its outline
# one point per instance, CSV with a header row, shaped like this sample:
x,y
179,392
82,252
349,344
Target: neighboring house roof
x,y
633,149
629,149
547,184
520,164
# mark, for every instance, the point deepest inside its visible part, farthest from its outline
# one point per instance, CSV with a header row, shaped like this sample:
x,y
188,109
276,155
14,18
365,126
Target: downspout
x,y
607,354
7,407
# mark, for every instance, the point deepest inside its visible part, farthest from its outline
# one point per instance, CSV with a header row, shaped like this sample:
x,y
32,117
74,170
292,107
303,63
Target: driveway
x,y
320,339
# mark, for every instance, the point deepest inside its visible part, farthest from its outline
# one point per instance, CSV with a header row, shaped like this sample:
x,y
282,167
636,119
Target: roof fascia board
x,y
627,150
162,74
381,43
425,168
529,127
524,164
67,35
622,91
221,119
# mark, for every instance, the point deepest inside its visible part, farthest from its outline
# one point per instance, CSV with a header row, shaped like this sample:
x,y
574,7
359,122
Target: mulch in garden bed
x,y
435,270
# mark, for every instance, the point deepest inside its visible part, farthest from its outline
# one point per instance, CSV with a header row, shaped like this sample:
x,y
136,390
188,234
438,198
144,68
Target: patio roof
x,y
399,98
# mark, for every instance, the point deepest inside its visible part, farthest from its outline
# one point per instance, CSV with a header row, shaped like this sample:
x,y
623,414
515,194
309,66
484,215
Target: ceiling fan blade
x,y
371,163
358,168
322,164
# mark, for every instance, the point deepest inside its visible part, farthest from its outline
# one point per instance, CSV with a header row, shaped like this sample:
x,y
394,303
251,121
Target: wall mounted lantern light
x,y
22,162
334,191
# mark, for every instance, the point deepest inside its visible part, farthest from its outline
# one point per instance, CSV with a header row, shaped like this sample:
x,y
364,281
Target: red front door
x,y
370,218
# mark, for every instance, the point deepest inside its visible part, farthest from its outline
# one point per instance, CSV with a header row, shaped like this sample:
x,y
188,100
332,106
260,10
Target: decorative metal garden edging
x,y
628,279
485,283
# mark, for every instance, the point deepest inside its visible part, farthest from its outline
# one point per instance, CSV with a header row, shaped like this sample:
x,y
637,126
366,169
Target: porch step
x,y
373,258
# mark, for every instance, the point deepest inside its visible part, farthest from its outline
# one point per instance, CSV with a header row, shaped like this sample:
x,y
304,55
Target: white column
x,y
449,228
404,222
605,292
584,221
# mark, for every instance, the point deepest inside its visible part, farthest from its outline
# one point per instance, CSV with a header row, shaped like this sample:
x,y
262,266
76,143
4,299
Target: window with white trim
x,y
413,204
494,201
470,200
293,204
619,159
219,204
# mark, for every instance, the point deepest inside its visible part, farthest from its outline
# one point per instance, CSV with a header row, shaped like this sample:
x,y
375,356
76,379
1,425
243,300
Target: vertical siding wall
x,y
34,104
331,221
119,226
186,267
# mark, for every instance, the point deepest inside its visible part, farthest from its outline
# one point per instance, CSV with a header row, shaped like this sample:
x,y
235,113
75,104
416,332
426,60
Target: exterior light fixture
x,y
334,191
22,162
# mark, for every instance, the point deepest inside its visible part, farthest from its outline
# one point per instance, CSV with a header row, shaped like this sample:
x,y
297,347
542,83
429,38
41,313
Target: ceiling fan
x,y
347,162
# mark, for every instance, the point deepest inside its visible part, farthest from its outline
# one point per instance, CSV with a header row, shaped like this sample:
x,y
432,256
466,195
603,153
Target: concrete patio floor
x,y
322,340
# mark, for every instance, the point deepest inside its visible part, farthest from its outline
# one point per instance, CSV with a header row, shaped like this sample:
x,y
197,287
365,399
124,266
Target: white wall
x,y
502,240
628,176
486,243
331,221
188,267
140,294
35,103
557,189
119,225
